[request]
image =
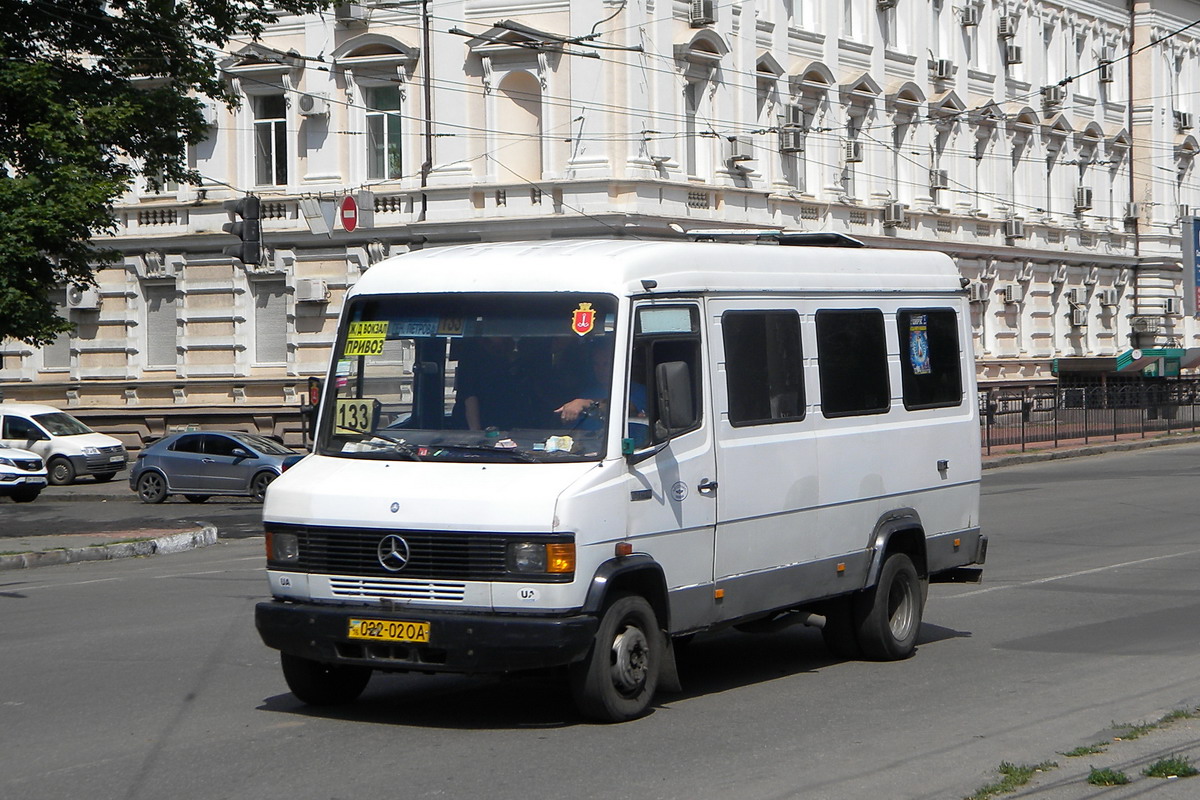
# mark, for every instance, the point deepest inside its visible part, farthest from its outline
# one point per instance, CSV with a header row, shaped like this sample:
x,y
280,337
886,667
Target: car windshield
x,y
60,424
264,445
460,377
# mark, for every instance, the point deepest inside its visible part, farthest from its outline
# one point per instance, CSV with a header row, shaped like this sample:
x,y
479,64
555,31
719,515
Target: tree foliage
x,y
94,93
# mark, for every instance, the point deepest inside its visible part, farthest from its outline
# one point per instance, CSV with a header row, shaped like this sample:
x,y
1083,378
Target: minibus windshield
x,y
472,377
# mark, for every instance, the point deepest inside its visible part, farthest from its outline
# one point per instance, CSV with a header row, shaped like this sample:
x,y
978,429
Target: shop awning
x,y
1150,361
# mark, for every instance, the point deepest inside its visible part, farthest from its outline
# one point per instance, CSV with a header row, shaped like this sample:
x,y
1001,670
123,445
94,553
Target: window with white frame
x,y
57,354
384,133
270,320
270,140
161,328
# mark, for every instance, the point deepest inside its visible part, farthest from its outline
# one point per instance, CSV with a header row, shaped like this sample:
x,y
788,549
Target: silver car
x,y
200,464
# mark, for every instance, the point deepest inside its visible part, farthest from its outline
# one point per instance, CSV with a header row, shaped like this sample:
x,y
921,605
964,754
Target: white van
x,y
68,447
22,474
575,452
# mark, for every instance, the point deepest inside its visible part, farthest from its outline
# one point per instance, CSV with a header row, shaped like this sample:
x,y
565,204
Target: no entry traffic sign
x,y
348,213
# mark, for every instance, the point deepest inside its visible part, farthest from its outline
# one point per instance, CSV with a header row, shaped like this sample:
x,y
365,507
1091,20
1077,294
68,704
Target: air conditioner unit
x,y
1106,72
1077,296
1183,120
1013,293
702,13
313,105
791,140
1183,212
969,16
1145,324
938,179
1109,297
884,5
1132,211
976,292
1054,95
1012,54
1083,198
1006,26
942,69
893,215
1079,317
738,149
794,117
83,299
1171,306
852,151
1014,228
349,12
311,290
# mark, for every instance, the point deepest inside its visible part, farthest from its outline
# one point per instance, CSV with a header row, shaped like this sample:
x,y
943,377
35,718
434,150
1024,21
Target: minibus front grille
x,y
432,555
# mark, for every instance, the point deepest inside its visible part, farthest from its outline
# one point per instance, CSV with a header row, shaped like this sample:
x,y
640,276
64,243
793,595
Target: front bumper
x,y
101,464
458,642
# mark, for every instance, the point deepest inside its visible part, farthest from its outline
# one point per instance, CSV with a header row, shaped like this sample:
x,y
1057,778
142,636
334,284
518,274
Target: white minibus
x,y
577,453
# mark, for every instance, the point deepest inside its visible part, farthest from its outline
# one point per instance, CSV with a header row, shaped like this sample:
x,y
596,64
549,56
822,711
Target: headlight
x,y
8,462
91,451
282,547
555,558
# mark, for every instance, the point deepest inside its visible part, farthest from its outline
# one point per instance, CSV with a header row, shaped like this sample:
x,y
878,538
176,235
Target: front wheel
x,y
259,484
617,680
319,684
152,488
888,615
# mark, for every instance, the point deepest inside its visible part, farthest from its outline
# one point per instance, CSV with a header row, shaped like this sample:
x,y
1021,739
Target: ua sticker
x,y
583,319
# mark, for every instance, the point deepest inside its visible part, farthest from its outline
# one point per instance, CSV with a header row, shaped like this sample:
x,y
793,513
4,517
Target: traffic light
x,y
249,230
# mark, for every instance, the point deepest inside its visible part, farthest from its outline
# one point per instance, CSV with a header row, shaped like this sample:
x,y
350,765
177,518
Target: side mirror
x,y
676,406
239,452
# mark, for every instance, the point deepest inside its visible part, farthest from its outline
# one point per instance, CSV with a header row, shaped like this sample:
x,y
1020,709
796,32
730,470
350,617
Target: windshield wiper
x,y
402,447
520,455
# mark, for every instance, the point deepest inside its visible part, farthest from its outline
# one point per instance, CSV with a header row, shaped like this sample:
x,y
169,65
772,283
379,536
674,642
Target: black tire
x,y
25,495
617,680
196,498
259,484
319,684
60,472
840,631
888,615
105,477
152,487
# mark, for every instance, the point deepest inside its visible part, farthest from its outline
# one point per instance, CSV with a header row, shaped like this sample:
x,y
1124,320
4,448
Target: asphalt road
x,y
144,678
91,507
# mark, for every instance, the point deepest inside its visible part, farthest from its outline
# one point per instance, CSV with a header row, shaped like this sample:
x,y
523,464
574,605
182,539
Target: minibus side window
x,y
664,335
852,362
764,367
930,358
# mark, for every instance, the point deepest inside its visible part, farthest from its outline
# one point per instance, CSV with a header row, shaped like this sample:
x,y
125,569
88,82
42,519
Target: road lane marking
x,y
1069,575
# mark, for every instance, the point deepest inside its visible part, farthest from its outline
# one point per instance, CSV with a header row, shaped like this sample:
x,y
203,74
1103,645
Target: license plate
x,y
389,630
116,458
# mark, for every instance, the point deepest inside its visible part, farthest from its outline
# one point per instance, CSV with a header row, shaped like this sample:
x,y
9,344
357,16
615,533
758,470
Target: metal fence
x,y
1082,414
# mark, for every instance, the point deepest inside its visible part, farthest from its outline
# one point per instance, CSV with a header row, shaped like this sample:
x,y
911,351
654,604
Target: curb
x,y
992,462
175,543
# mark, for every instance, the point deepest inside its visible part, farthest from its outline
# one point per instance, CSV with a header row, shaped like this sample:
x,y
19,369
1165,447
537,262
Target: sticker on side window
x,y
918,344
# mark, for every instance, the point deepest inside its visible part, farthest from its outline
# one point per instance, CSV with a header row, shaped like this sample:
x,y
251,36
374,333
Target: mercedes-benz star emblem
x,y
393,553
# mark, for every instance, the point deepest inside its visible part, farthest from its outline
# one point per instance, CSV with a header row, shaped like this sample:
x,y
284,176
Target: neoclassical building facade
x,y
1048,147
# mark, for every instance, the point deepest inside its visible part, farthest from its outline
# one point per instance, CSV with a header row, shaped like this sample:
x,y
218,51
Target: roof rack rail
x,y
794,238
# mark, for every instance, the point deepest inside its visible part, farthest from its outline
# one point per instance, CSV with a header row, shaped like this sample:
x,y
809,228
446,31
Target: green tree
x,y
94,93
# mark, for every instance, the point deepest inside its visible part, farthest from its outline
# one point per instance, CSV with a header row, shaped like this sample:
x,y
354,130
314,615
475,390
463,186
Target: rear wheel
x,y
196,498
617,680
152,487
319,684
59,471
888,615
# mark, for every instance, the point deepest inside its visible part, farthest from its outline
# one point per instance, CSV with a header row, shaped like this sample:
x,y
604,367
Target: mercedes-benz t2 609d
x,y
574,453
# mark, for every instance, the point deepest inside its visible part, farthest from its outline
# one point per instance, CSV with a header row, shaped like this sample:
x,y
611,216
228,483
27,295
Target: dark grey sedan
x,y
200,464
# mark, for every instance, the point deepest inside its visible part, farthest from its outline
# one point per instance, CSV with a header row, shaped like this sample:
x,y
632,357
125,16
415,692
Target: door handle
x,y
207,461
707,487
